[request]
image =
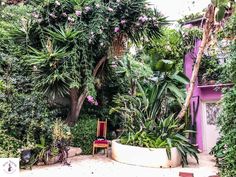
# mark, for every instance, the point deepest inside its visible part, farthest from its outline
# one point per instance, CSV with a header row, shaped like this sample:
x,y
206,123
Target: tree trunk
x,y
73,103
77,104
207,31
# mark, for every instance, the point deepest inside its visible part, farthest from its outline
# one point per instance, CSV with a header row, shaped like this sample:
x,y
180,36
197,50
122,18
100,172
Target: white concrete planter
x,y
149,157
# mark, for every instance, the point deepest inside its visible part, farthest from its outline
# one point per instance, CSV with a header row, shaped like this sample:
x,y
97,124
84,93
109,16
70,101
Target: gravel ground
x,y
101,166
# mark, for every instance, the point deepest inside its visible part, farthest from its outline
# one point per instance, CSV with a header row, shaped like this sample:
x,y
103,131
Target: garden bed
x,y
148,157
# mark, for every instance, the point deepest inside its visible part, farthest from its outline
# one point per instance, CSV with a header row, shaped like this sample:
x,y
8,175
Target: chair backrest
x,y
102,128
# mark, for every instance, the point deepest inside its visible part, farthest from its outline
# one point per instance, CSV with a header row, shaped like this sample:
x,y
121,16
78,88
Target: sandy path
x,y
101,166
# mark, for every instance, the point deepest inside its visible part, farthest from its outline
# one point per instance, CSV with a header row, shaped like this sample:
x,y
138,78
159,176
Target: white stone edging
x,y
148,157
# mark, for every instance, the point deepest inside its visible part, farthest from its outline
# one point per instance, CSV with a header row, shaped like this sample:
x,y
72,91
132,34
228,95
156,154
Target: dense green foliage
x,y
148,119
53,54
168,47
226,147
66,42
84,133
210,70
163,133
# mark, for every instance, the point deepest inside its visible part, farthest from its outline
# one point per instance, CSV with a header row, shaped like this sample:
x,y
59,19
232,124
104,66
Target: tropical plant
x,y
163,133
133,70
168,47
152,102
143,117
67,42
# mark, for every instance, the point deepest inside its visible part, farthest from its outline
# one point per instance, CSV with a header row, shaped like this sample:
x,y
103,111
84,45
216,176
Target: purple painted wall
x,y
203,93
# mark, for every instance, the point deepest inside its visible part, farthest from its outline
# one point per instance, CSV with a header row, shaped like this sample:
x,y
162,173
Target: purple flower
x,y
117,30
87,8
64,14
110,9
123,22
90,99
143,18
57,3
113,65
78,13
188,26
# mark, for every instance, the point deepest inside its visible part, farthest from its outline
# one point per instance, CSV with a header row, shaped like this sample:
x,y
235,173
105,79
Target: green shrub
x,y
84,133
225,149
8,145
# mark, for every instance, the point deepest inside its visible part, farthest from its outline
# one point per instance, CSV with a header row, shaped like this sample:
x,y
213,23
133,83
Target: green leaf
x,y
176,91
181,77
164,65
220,13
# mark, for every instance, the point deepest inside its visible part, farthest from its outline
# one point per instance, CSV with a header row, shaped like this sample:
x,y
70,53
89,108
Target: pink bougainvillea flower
x,y
87,8
188,26
78,13
90,99
123,22
143,18
117,30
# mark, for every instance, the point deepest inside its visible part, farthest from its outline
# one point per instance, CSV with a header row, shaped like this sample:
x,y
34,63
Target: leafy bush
x,y
163,133
8,145
27,117
84,133
145,125
210,69
225,149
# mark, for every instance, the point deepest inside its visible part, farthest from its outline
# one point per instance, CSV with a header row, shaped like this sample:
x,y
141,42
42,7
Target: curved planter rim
x,y
141,156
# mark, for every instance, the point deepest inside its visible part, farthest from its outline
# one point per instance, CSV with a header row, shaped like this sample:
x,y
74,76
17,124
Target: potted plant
x,y
148,132
210,71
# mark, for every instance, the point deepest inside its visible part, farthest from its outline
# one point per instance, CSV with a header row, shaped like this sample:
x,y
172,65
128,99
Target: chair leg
x,y
93,150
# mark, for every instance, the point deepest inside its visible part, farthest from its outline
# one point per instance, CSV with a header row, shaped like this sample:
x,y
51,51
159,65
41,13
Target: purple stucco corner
x,y
200,94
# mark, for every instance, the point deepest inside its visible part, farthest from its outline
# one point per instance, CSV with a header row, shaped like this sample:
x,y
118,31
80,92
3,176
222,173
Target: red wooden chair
x,y
185,174
101,141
